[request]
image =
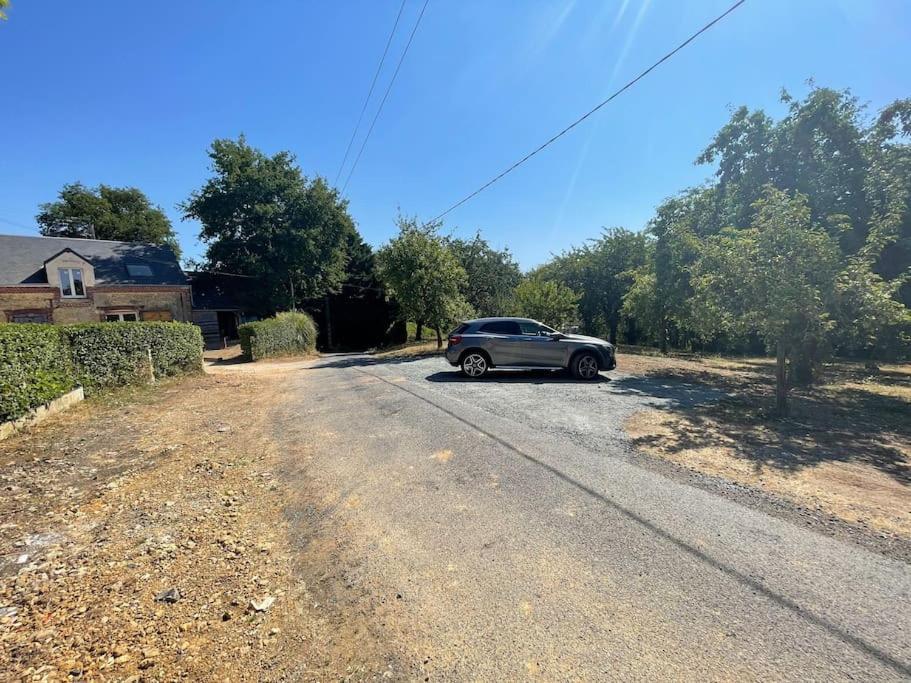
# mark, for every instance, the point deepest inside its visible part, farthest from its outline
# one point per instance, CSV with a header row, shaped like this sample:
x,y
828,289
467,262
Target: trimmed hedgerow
x,y
40,362
115,354
35,367
286,334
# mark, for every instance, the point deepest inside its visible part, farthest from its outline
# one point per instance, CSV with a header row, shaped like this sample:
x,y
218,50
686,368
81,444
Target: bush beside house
x,y
111,355
286,334
40,362
35,367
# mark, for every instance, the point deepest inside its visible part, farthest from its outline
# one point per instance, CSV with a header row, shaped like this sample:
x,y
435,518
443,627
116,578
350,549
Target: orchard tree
x,y
424,277
546,301
614,257
659,295
602,272
262,217
492,275
776,279
106,213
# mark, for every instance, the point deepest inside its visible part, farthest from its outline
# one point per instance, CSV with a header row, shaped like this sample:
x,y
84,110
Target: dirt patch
x,y
845,452
144,536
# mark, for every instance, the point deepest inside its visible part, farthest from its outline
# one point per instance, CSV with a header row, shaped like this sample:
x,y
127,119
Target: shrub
x,y
115,354
35,367
285,334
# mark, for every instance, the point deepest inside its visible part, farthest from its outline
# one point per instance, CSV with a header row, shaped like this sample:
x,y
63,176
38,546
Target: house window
x,y
28,317
121,316
71,283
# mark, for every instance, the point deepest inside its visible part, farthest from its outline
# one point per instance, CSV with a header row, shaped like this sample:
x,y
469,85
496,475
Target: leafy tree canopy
x,y
492,275
261,217
424,276
113,213
546,301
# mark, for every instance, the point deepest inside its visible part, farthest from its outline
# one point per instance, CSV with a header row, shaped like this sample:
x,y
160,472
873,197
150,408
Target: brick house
x,y
65,280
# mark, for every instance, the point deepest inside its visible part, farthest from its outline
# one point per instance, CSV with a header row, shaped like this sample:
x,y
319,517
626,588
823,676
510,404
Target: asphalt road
x,y
498,530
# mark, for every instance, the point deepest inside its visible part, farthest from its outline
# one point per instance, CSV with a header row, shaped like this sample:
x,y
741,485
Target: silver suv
x,y
478,345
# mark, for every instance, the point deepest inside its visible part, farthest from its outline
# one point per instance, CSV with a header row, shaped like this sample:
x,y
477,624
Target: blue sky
x,y
129,93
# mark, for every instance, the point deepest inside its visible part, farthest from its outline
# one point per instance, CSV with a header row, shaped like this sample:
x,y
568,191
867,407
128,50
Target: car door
x,y
538,349
501,339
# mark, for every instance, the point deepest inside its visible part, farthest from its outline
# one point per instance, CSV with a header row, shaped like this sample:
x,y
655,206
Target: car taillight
x,y
455,339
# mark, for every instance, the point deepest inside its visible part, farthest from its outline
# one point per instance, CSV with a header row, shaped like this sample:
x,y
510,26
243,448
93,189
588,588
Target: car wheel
x,y
585,366
474,365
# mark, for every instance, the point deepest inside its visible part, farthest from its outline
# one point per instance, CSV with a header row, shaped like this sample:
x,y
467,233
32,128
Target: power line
x,y
369,93
592,111
18,225
383,101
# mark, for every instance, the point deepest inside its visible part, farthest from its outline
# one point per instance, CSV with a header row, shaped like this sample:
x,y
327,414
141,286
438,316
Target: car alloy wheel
x,y
474,365
587,367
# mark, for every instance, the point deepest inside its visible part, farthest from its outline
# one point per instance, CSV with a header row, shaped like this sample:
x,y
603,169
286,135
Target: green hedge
x,y
40,362
35,367
116,354
286,334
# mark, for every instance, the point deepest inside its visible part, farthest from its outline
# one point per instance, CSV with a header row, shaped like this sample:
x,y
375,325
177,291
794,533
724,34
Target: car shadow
x,y
516,377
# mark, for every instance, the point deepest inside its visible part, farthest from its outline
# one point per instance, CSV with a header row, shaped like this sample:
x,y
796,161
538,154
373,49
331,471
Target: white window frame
x,y
120,315
69,274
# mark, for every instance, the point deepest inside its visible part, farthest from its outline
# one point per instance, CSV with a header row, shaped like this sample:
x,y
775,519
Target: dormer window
x,y
138,270
71,283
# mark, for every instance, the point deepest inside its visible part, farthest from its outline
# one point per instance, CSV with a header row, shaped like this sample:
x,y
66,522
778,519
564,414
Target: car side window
x,y
501,327
531,328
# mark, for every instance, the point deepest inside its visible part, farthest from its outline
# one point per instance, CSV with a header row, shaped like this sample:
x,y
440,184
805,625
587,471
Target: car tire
x,y
584,366
474,364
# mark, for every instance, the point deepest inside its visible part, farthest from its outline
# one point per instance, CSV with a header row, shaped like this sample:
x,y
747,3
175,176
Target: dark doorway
x,y
227,324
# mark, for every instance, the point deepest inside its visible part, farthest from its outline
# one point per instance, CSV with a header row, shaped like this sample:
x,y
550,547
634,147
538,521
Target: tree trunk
x,y
328,325
439,339
419,331
663,341
613,323
804,364
781,381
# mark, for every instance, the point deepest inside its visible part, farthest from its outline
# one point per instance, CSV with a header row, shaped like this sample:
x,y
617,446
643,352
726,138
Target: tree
x,y
492,275
676,229
873,323
424,276
261,217
106,213
614,258
776,279
3,5
602,272
547,301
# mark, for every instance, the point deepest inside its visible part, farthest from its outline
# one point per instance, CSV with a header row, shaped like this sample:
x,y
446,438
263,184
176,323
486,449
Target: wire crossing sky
x,y
376,75
582,118
481,83
385,95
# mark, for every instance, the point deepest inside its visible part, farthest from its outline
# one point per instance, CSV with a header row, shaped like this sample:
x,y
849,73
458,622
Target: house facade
x,y
66,280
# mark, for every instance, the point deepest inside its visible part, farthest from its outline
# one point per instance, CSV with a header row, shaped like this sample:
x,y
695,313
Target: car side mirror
x,y
556,336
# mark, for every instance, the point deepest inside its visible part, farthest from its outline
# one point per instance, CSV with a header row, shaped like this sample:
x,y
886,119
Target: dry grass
x,y
412,350
845,450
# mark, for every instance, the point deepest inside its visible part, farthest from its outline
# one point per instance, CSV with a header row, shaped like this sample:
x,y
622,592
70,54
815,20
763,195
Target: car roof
x,y
479,321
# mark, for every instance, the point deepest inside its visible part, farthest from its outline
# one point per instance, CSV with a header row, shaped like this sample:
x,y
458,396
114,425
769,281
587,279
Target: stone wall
x,y
47,301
